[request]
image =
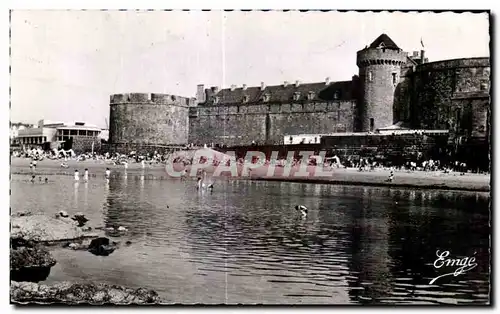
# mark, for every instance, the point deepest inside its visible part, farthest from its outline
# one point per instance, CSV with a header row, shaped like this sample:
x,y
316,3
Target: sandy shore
x,y
350,176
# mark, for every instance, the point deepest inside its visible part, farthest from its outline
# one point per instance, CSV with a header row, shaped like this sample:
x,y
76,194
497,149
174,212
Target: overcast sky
x,y
65,64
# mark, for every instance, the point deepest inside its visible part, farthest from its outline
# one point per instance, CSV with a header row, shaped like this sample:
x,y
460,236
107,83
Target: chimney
x,y
200,93
244,86
215,89
262,86
415,54
297,83
285,84
327,81
233,87
422,56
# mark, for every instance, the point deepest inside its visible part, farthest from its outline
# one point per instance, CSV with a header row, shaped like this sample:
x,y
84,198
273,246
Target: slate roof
x,y
284,94
386,40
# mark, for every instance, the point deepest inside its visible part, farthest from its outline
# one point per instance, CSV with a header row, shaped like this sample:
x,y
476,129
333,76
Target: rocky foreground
x,y
46,229
77,293
31,261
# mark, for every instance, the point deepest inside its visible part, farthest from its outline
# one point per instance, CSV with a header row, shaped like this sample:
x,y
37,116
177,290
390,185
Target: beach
x,y
312,174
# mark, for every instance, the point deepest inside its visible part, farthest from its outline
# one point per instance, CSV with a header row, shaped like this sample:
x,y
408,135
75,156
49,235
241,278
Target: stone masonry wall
x,y
402,96
376,69
150,119
84,144
267,124
441,88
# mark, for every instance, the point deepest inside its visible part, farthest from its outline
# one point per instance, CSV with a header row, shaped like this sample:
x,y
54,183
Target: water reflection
x,y
75,194
86,197
244,243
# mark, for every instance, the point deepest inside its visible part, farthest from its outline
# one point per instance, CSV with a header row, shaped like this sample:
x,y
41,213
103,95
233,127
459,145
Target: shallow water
x,y
244,243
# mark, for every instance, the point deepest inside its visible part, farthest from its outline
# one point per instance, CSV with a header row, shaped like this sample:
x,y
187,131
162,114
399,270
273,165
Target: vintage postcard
x,y
250,157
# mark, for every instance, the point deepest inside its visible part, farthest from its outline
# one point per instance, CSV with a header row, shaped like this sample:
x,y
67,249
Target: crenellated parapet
x,y
151,98
380,56
454,64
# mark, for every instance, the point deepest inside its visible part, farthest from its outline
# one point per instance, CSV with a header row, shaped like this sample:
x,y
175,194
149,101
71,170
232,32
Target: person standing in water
x,y
86,175
77,175
107,173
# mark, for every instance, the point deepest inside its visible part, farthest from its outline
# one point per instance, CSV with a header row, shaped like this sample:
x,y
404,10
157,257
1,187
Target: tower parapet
x,y
379,74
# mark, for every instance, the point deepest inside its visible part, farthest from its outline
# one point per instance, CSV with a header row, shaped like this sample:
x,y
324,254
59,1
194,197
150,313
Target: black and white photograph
x,y
250,157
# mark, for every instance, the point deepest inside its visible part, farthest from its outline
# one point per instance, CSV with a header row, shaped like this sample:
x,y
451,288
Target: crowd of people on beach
x,y
362,164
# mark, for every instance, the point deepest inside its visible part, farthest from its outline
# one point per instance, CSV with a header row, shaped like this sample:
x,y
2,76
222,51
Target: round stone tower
x,y
379,70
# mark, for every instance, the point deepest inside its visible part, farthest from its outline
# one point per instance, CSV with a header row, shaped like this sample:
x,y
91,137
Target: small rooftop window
x,y
246,98
296,96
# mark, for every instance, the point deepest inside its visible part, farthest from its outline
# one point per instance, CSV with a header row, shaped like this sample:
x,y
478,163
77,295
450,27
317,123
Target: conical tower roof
x,y
385,41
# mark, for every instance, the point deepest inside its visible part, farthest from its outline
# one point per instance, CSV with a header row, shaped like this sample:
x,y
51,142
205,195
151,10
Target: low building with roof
x,y
79,136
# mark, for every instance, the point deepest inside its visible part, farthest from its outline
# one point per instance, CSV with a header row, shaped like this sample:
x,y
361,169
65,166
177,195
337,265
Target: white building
x,y
302,139
14,131
57,132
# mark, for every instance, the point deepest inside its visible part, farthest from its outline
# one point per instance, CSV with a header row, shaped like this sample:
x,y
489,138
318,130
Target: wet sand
x,y
340,176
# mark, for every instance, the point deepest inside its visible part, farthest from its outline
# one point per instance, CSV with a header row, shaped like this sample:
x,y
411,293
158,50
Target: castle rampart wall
x,y
267,123
445,94
149,119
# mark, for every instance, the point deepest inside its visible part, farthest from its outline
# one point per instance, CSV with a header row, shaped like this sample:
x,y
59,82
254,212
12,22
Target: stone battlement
x,y
151,98
454,63
372,56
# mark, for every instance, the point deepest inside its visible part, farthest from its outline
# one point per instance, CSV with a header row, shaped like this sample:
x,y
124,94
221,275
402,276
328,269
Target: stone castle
x,y
392,89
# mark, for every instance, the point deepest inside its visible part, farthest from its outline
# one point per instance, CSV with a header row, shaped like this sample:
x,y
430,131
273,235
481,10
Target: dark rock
x,y
80,219
30,263
101,246
90,293
22,214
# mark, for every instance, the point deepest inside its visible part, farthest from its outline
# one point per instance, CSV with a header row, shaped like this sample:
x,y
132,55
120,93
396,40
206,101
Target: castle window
x,y
296,96
394,78
372,124
370,76
311,96
484,86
